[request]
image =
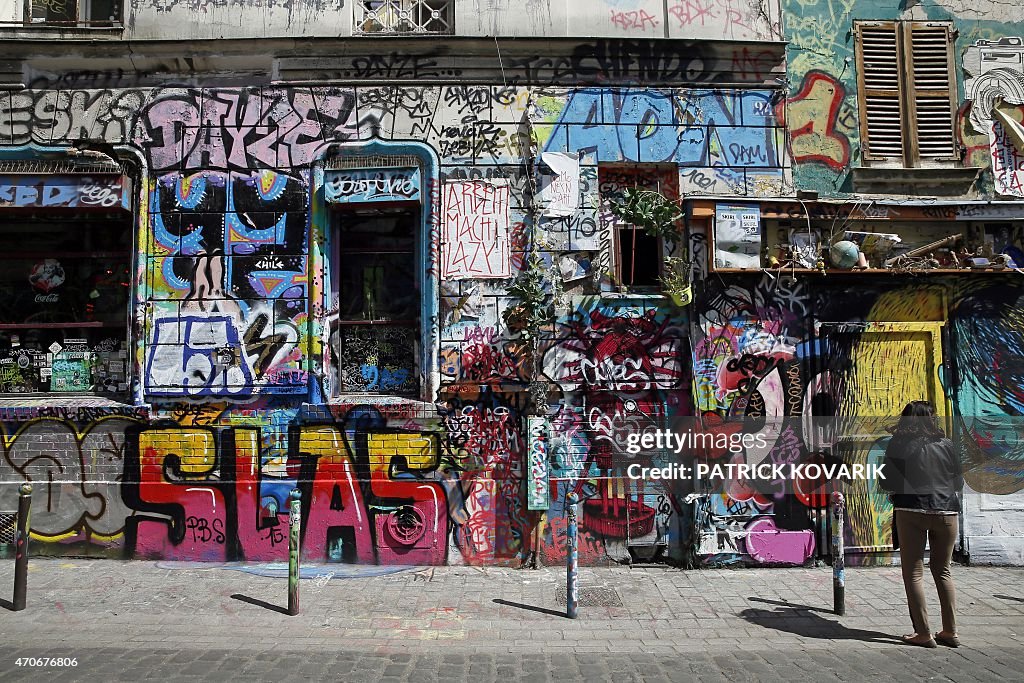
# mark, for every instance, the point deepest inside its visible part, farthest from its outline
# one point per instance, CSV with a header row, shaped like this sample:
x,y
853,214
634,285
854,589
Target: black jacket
x,y
923,474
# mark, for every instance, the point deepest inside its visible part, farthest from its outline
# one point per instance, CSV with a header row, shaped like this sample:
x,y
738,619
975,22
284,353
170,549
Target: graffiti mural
x,y
414,441
227,273
993,70
818,121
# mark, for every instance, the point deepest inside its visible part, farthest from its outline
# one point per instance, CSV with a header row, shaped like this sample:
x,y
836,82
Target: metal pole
x,y
294,521
838,561
21,546
572,558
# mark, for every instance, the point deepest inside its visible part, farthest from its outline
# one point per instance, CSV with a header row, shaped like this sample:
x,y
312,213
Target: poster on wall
x,y
1006,145
560,187
738,236
475,230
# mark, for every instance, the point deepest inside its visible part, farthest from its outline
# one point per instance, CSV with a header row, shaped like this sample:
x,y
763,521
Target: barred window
x,y
404,16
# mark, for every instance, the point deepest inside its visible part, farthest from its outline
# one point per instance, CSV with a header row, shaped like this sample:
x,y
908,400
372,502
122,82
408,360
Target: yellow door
x,y
891,365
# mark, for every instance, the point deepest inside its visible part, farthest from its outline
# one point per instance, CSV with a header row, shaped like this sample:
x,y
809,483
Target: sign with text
x,y
737,236
372,185
560,190
475,231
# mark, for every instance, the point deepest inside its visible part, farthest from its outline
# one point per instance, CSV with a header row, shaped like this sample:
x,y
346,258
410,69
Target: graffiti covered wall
x,y
243,273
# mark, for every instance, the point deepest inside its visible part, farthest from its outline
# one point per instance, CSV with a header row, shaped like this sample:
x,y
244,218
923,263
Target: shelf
x,y
866,271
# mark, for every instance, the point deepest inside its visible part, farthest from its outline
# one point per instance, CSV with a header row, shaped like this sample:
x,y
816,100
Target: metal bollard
x,y
838,561
571,559
21,547
294,522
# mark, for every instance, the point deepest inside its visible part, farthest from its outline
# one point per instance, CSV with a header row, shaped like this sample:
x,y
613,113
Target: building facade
x,y
375,251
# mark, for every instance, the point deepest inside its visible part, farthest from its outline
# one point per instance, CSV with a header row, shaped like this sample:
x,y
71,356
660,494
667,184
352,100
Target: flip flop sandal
x,y
948,641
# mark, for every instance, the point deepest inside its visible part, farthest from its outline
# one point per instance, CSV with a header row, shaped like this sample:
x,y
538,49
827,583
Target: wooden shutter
x,y
878,90
930,91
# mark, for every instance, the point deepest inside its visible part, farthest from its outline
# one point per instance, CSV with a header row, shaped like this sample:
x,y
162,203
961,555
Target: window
x,y
906,92
65,282
376,343
76,12
636,256
404,16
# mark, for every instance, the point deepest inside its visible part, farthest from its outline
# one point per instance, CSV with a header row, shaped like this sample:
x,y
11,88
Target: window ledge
x,y
638,296
945,181
72,407
43,31
866,271
389,406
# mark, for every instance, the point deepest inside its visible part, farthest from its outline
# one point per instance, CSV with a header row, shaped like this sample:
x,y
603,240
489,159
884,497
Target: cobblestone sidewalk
x,y
127,620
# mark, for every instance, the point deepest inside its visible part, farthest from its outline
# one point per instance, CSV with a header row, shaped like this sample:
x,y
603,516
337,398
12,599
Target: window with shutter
x,y
906,93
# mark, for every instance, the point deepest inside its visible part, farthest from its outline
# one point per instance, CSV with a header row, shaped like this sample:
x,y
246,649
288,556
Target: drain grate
x,y
592,596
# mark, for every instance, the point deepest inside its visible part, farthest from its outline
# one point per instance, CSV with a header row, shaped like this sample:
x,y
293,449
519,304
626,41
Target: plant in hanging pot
x,y
675,281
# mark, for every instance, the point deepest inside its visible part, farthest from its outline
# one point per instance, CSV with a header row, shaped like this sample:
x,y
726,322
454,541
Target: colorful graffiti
x,y
813,118
253,391
227,282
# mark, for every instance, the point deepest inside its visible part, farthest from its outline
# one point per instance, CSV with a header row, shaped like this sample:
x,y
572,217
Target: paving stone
x,y
140,621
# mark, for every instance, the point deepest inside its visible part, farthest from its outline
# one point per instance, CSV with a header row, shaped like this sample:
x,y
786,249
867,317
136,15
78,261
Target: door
x,y
890,364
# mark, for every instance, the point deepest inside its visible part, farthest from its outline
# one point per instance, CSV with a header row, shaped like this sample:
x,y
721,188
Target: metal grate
x,y
592,596
62,166
403,17
341,163
8,527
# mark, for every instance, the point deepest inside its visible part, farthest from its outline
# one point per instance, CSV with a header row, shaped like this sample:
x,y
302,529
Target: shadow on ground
x,y
802,621
532,608
792,605
259,603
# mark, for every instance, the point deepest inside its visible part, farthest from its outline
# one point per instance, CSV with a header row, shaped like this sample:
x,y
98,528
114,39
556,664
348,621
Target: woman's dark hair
x,y
918,420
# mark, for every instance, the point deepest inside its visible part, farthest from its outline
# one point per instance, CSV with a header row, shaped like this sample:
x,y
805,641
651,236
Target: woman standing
x,y
923,474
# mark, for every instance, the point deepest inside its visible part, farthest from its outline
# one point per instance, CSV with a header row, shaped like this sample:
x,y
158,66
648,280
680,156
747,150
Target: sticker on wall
x,y
560,187
538,493
475,230
71,371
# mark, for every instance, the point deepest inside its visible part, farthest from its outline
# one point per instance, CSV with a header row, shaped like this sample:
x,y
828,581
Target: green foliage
x,y
676,276
534,309
675,279
650,210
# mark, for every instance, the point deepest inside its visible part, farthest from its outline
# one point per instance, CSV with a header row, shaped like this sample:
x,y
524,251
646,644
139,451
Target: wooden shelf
x,y
866,271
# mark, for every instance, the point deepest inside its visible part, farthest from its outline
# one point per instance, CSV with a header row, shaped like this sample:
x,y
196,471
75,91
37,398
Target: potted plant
x,y
659,216
675,281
